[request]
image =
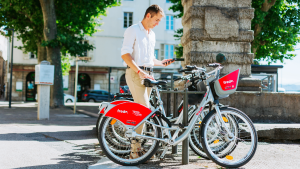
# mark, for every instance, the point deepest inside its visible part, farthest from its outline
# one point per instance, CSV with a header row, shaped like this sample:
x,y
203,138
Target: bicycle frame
x,y
172,139
166,130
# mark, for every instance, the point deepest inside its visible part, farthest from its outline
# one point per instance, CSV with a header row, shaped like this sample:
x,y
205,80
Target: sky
x,y
290,73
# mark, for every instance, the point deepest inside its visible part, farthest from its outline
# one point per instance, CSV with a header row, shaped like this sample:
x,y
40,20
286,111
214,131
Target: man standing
x,y
138,53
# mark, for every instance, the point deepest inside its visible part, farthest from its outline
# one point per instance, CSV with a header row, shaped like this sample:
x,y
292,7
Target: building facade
x,y
106,58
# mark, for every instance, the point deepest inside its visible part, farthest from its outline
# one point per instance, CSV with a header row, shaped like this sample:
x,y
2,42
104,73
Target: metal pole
x,y
175,114
76,81
172,81
109,70
185,143
168,104
11,68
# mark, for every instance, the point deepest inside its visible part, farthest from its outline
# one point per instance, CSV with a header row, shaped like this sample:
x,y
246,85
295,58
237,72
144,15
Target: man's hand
x,y
144,75
167,62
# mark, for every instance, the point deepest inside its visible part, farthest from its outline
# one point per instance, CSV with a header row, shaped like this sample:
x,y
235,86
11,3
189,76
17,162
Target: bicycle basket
x,y
194,99
227,84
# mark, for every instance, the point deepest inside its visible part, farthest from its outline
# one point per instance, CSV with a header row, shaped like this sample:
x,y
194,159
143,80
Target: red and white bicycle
x,y
228,136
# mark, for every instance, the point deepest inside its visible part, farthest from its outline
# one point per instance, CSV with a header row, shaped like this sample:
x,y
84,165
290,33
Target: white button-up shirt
x,y
139,44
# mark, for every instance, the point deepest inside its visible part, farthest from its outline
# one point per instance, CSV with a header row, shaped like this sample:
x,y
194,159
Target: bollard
x,y
175,114
168,104
185,143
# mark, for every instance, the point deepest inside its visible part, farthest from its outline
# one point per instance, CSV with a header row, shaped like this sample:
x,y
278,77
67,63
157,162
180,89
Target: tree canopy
x,y
51,27
275,24
75,20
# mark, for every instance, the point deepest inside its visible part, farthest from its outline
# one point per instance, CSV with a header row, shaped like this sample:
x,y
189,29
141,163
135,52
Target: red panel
x,y
115,103
119,102
102,111
129,113
229,81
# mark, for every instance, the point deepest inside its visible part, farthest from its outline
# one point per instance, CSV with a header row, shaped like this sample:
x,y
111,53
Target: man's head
x,y
153,15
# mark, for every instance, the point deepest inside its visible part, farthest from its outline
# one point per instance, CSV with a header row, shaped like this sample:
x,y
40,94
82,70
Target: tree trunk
x,y
53,53
41,52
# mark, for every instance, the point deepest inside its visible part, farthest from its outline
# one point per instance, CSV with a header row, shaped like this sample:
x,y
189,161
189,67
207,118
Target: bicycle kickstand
x,y
162,155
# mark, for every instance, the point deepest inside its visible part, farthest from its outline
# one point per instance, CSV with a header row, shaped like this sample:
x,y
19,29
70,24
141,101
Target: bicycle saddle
x,y
151,83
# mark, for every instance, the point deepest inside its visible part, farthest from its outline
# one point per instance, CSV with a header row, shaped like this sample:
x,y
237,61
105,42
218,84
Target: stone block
x,y
218,23
231,58
249,82
258,89
221,23
195,34
218,46
218,3
267,107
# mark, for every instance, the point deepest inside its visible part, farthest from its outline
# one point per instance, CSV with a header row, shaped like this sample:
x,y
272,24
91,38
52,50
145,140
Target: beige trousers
x,y
140,93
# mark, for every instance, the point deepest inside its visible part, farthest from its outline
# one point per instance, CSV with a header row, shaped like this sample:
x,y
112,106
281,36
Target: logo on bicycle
x,y
122,111
227,82
199,111
136,113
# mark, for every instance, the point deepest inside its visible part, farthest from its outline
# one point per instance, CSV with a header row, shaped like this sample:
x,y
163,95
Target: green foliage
x,y
179,48
177,7
279,30
74,18
280,27
65,64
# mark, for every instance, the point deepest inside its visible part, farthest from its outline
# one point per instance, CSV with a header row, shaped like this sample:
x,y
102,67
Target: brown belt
x,y
145,68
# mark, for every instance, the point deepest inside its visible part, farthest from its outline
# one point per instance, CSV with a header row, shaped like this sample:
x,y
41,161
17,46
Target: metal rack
x,y
185,143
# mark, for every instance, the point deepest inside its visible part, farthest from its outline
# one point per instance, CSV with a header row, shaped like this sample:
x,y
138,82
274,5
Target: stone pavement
x,y
68,140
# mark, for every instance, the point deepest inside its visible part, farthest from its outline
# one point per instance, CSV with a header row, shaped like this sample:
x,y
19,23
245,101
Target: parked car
x,y
124,89
96,96
68,98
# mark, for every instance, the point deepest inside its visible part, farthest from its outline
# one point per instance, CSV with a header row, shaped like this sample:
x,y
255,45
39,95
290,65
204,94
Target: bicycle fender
x,y
104,105
129,113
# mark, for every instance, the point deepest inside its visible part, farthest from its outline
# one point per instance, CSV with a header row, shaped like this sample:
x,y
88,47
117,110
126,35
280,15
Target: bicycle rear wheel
x,y
237,150
119,151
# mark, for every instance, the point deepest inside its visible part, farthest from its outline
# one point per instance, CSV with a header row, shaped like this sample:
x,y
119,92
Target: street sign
x,y
83,58
44,74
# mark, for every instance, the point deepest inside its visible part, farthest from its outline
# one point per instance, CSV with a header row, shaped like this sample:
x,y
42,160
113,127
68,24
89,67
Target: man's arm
x,y
130,62
161,63
126,51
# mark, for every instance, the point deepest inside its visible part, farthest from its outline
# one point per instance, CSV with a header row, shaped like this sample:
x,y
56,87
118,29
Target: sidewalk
x,y
68,140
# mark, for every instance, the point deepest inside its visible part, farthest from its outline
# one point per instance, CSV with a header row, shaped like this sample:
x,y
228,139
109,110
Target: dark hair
x,y
153,10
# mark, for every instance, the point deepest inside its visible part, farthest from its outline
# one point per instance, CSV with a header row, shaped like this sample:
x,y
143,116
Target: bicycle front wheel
x,y
238,146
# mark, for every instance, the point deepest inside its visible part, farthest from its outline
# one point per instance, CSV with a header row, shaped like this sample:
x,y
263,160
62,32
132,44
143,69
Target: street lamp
x,y
11,63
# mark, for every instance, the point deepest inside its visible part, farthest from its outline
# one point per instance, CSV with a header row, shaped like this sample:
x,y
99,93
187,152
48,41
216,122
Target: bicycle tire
x,y
124,161
233,159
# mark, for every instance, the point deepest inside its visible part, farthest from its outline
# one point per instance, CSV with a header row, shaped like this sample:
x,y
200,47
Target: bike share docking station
x,y
185,93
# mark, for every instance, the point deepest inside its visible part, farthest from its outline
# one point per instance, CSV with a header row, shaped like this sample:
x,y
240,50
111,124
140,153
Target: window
x,y
168,1
127,0
127,19
169,22
168,52
31,55
156,53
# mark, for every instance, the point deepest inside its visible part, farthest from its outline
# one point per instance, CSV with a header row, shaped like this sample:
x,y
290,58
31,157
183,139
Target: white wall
x,y
19,57
4,46
108,42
